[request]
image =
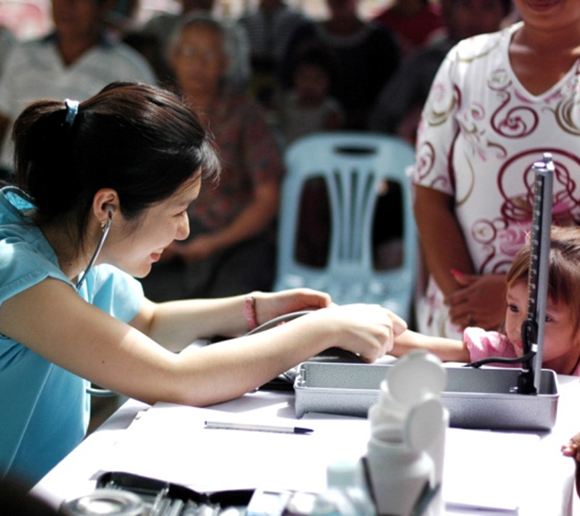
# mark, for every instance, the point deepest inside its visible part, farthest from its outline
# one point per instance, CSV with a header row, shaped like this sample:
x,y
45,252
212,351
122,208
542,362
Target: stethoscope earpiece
x,y
106,228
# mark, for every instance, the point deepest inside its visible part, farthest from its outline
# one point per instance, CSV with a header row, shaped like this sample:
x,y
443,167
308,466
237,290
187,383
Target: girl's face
x,y
134,246
311,84
561,343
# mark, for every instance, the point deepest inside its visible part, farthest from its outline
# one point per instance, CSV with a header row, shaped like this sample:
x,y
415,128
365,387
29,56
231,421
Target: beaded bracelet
x,y
250,312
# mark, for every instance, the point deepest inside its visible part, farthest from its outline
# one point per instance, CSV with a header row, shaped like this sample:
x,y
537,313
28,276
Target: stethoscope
x,y
106,229
93,391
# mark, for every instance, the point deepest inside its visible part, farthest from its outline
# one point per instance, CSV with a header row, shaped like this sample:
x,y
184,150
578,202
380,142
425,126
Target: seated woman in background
x,y
102,190
231,249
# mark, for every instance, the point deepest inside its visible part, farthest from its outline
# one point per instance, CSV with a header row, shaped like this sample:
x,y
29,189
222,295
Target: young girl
x,y
308,107
103,189
561,350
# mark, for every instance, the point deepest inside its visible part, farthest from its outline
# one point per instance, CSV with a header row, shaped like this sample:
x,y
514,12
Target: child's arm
x,y
448,350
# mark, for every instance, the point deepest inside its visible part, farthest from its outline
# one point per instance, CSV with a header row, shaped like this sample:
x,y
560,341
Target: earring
x,y
103,224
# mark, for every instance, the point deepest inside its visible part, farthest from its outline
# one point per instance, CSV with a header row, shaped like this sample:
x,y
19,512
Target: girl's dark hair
x,y
144,142
563,269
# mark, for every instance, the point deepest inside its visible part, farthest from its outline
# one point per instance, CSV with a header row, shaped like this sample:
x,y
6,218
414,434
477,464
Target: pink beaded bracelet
x,y
250,312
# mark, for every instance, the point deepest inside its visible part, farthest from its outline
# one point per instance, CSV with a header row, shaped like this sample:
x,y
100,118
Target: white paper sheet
x,y
482,468
488,469
171,443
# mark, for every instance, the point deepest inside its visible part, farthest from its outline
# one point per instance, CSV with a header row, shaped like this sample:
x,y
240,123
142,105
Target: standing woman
x,y
497,103
103,189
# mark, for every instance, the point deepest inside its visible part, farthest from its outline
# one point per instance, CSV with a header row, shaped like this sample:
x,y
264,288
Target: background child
x,y
561,351
308,107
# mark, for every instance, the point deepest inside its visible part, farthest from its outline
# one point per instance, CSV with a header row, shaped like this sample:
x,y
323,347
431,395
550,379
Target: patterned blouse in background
x,y
480,133
249,154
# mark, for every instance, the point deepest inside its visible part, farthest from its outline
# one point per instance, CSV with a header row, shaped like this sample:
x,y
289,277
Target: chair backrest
x,y
354,166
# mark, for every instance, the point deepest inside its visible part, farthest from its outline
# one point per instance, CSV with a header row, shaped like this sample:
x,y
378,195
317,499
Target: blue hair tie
x,y
72,108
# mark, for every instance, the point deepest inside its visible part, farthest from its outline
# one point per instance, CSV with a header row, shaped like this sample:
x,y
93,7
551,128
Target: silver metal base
x,y
483,398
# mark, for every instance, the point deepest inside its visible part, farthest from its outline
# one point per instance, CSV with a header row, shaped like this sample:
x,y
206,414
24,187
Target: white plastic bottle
x,y
399,473
408,424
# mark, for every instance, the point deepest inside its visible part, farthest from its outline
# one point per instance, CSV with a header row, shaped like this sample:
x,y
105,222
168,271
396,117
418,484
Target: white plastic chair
x,y
353,166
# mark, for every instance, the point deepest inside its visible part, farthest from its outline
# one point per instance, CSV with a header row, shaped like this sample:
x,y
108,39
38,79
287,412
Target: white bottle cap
x,y
415,376
391,406
424,424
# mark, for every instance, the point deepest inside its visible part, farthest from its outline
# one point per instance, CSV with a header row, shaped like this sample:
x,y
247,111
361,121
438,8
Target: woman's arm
x,y
472,299
176,324
441,237
88,342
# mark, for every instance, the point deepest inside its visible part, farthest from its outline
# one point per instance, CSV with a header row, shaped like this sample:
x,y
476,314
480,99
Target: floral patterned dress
x,y
480,133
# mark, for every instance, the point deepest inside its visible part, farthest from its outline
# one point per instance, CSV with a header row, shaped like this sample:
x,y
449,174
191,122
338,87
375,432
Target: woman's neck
x,y
69,260
541,58
559,40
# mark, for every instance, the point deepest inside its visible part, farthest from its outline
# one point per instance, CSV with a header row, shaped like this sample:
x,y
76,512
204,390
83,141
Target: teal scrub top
x,y
44,409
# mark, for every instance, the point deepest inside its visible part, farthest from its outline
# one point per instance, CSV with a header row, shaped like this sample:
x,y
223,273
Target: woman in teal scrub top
x,y
102,188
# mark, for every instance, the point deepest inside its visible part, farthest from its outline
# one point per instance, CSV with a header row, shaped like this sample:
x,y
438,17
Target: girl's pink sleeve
x,y
483,344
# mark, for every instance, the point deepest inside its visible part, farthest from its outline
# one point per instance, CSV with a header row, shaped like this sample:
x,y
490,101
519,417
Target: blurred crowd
x,y
259,81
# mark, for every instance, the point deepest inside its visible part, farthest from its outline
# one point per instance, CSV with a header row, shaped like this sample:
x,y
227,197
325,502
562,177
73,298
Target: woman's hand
x,y
365,329
479,302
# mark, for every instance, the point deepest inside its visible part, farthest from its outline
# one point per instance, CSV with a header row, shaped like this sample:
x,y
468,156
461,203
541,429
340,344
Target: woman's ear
x,y
105,204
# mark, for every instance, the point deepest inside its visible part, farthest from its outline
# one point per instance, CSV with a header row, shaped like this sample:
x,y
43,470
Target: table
x,y
169,442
